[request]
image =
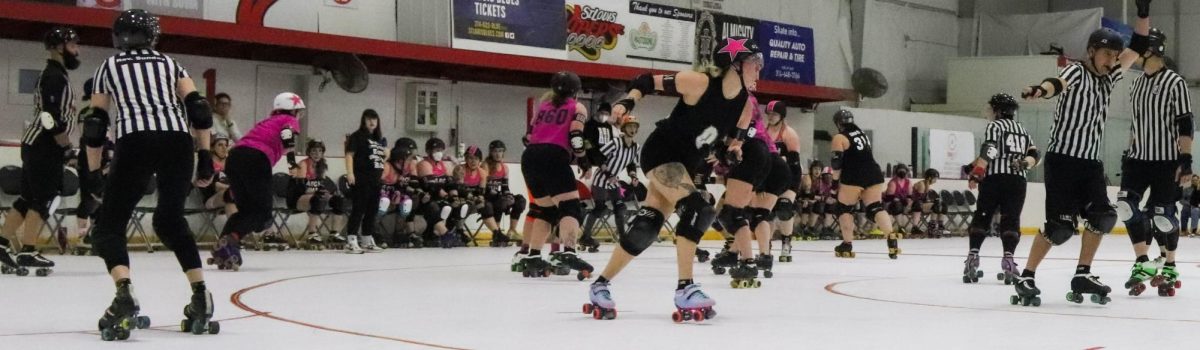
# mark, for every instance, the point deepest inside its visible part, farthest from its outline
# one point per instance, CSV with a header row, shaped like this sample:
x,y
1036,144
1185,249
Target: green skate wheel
x,y
966,279
1037,301
757,284
734,284
1014,299
107,334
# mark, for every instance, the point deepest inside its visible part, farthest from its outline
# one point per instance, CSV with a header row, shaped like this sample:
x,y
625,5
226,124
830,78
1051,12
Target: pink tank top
x,y
311,169
439,167
265,135
500,173
472,178
903,188
760,126
824,188
552,124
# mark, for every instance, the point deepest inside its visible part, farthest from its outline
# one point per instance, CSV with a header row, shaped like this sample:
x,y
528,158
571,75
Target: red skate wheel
x,y
697,316
1170,292
1178,284
596,313
677,317
587,308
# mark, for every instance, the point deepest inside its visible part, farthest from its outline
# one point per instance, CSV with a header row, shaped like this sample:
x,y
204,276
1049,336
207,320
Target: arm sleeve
x,y
1182,98
103,85
54,92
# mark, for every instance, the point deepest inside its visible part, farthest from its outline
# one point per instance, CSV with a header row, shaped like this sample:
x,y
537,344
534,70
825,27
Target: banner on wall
x,y
595,30
509,22
787,52
949,150
177,8
711,28
661,33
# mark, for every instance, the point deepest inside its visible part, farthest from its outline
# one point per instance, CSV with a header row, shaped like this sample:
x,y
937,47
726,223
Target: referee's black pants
x,y
1003,194
139,157
249,173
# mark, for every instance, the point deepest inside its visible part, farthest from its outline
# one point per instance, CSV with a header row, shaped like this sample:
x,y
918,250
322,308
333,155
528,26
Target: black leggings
x,y
249,173
139,156
365,195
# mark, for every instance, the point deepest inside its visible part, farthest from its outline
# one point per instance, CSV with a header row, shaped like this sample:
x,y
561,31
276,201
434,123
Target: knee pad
x,y
37,205
1164,218
1010,235
317,205
733,219
840,209
977,231
571,208
1127,204
462,211
758,216
1059,230
488,210
547,214
873,210
21,206
895,208
696,215
337,205
1100,218
1139,229
643,231
784,209
1172,241
444,212
518,206
404,208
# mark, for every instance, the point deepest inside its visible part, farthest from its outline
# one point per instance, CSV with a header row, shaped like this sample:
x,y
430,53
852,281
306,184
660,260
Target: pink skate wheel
x,y
677,317
587,308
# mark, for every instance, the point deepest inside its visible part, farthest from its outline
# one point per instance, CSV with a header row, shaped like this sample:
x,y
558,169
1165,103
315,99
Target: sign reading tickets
x,y
661,33
517,22
787,52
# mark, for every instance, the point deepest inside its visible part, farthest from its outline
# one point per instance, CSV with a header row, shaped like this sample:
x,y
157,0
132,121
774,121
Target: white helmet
x,y
288,101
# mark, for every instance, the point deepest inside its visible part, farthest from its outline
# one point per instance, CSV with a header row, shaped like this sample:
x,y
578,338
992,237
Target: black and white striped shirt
x,y
142,86
1157,99
1078,127
52,95
618,157
1012,141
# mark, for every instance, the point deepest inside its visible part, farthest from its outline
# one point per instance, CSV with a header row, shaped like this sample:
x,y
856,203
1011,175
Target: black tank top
x,y
779,144
858,154
712,110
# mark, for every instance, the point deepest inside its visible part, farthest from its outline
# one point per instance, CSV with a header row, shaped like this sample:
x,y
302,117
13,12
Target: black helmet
x,y
777,106
842,118
406,143
1105,38
314,144
734,50
434,143
604,108
399,154
932,173
495,145
1158,42
1004,105
565,84
135,29
58,36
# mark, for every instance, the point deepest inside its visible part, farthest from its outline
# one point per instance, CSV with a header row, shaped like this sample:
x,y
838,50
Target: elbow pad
x,y
644,83
669,84
95,128
836,162
988,151
198,111
1184,125
291,159
288,138
1033,153
1057,84
577,143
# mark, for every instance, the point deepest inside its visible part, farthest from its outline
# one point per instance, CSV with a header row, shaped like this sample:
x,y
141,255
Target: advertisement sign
x,y
787,53
595,30
949,150
661,33
537,24
711,28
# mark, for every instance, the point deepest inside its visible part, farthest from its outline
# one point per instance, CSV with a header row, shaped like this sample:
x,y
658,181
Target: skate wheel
x,y
185,326
21,271
677,317
1014,299
107,335
719,270
610,314
214,327
1178,284
596,313
122,334
42,272
734,284
966,279
768,274
1000,277
979,274
142,322
757,284
582,275
697,316
1170,292
587,308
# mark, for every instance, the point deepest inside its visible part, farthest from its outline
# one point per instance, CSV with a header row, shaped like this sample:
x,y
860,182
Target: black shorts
x,y
41,170
777,179
1158,176
865,175
665,146
755,164
1072,184
1003,194
547,170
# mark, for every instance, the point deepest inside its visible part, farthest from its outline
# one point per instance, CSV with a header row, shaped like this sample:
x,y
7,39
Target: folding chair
x,y
139,213
208,217
58,214
281,213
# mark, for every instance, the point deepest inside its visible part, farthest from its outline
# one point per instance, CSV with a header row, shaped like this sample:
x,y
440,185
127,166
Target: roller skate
x,y
313,241
744,275
971,272
1139,274
1167,281
30,258
274,241
844,250
122,316
701,255
1009,268
601,305
518,261
589,244
498,239
84,247
448,240
893,244
1086,283
1027,292
723,260
785,250
336,241
827,234
691,304
367,243
198,314
7,264
227,254
536,267
352,246
765,262
571,261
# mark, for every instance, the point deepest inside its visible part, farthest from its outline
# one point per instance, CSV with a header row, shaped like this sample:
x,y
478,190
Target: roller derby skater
x,y
767,192
787,143
860,179
366,152
678,146
154,137
499,200
1075,180
999,173
441,213
313,192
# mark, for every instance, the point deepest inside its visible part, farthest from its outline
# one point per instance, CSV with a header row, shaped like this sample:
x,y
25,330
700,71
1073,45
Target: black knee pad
x,y
895,208
21,206
758,216
643,231
1007,235
518,206
571,208
317,205
547,214
974,231
1139,229
1059,230
1100,218
840,209
37,205
337,205
1172,240
696,215
872,210
784,209
488,210
733,219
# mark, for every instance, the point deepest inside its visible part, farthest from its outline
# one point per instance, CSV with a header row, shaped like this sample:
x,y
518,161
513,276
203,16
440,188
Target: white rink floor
x,y
467,298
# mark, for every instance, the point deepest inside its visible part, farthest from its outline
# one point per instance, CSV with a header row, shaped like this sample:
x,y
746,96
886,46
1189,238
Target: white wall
x,y
891,131
909,45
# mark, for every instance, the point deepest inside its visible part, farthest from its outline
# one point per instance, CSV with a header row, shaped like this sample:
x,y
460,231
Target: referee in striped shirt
x,y
1075,183
1159,154
156,106
618,155
1006,153
43,148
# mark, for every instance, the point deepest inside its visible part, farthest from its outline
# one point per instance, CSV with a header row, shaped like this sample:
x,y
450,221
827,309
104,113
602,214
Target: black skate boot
x,y
198,314
498,239
893,244
589,244
844,250
535,267
274,241
701,255
744,275
122,316
30,258
1086,283
971,271
1027,292
764,263
724,260
313,241
336,241
571,261
7,264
